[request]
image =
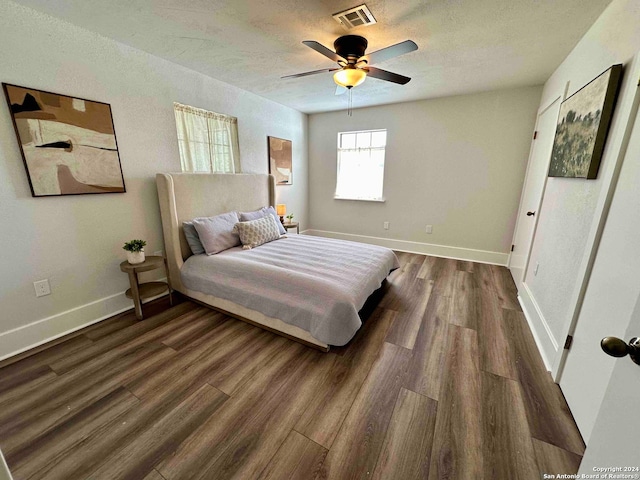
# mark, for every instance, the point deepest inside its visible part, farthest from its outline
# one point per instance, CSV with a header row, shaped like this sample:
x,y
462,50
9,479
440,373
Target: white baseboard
x,y
457,253
5,474
26,337
545,341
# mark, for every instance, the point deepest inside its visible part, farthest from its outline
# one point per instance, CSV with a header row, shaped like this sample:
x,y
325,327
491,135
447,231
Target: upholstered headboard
x,y
184,196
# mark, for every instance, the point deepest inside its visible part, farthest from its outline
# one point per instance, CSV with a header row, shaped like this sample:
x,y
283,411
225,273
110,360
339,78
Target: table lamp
x,y
281,211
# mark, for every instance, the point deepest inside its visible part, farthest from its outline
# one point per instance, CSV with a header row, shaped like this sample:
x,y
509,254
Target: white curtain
x,y
208,141
360,174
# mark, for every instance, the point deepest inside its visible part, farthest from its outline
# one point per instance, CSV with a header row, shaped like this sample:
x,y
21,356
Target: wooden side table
x,y
140,291
295,225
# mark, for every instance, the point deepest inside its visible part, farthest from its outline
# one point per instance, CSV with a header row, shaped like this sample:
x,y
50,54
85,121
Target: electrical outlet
x,y
385,225
429,229
535,270
42,288
158,253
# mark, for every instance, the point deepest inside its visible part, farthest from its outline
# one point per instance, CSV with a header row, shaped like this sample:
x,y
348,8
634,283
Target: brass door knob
x,y
616,347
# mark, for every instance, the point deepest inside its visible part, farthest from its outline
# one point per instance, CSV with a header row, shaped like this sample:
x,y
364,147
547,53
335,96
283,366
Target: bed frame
x,y
184,196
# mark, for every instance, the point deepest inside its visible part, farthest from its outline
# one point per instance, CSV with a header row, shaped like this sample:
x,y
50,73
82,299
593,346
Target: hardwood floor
x,y
443,381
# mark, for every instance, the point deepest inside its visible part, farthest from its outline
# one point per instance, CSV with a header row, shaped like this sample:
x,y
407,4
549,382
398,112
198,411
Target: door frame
x,y
527,176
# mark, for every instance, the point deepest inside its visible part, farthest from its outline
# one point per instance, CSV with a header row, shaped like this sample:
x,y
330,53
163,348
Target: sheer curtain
x,y
208,141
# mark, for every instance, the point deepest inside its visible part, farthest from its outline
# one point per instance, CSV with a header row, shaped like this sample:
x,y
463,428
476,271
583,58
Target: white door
x,y
533,189
615,441
611,294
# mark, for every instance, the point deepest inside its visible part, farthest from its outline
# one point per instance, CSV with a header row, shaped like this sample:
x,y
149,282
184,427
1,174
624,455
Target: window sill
x,y
375,200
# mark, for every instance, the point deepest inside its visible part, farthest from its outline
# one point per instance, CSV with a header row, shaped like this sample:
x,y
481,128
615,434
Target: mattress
x,y
315,283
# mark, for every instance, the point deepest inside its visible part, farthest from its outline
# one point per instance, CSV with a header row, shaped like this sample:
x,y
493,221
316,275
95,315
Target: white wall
x,y
570,223
569,205
75,241
456,163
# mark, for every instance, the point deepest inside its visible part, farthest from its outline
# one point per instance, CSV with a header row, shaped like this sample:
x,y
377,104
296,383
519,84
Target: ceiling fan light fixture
x,y
349,77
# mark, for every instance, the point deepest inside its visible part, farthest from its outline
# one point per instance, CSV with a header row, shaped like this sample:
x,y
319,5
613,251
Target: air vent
x,y
355,17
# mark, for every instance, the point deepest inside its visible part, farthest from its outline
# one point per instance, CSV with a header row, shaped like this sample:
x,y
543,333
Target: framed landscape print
x,y
583,125
280,160
68,144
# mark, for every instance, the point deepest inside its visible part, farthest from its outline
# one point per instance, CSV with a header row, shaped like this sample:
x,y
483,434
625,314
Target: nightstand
x,y
295,225
140,291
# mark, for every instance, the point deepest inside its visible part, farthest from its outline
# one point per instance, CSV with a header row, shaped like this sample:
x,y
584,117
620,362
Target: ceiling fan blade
x,y
389,52
318,47
340,90
313,72
388,76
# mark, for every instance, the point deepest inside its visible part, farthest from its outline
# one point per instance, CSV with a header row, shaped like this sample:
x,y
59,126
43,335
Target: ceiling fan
x,y
354,65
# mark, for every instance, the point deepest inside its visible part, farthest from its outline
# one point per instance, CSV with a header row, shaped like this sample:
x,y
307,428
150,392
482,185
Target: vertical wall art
x,y
583,125
68,144
280,160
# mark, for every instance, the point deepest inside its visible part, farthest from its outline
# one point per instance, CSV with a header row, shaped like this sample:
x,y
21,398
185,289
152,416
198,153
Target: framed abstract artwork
x,y
280,160
583,125
68,144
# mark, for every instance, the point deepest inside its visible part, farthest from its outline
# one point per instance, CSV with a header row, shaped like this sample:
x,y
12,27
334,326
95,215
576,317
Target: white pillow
x,y
257,232
217,233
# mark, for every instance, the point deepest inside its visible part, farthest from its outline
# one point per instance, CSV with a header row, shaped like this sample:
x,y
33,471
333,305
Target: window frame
x,y
370,148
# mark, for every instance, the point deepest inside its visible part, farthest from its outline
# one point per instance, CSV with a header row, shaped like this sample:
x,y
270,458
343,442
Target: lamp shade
x,y
281,209
349,76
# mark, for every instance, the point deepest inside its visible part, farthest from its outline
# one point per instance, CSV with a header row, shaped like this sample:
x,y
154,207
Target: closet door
x,y
533,190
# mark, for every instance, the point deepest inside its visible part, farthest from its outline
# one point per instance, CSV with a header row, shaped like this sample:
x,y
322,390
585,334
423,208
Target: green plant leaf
x,y
134,245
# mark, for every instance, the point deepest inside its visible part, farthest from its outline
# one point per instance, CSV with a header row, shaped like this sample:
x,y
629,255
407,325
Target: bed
x,y
306,288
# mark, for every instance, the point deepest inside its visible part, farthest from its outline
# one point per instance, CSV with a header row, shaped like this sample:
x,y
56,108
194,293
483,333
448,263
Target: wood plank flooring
x,y
443,381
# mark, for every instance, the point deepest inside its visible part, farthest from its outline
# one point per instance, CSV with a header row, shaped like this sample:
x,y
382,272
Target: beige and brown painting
x,y
68,144
280,160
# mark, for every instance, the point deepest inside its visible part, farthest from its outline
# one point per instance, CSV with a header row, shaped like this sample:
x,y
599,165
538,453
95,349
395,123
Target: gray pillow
x,y
264,211
248,216
216,233
192,237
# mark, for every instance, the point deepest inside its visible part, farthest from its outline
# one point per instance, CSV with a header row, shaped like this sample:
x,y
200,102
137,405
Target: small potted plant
x,y
290,218
135,251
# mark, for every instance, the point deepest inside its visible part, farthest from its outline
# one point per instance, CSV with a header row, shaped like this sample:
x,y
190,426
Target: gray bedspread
x,y
315,283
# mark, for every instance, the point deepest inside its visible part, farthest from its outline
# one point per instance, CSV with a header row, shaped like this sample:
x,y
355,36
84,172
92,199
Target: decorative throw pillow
x,y
192,237
257,232
264,211
217,233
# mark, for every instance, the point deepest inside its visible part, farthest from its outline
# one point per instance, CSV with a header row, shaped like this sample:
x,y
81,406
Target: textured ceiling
x,y
465,46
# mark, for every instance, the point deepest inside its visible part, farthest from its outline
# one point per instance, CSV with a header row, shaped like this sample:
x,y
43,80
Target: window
x,y
208,141
361,165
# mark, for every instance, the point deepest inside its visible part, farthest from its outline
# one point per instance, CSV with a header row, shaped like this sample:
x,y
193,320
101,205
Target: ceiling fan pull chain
x,y
350,109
